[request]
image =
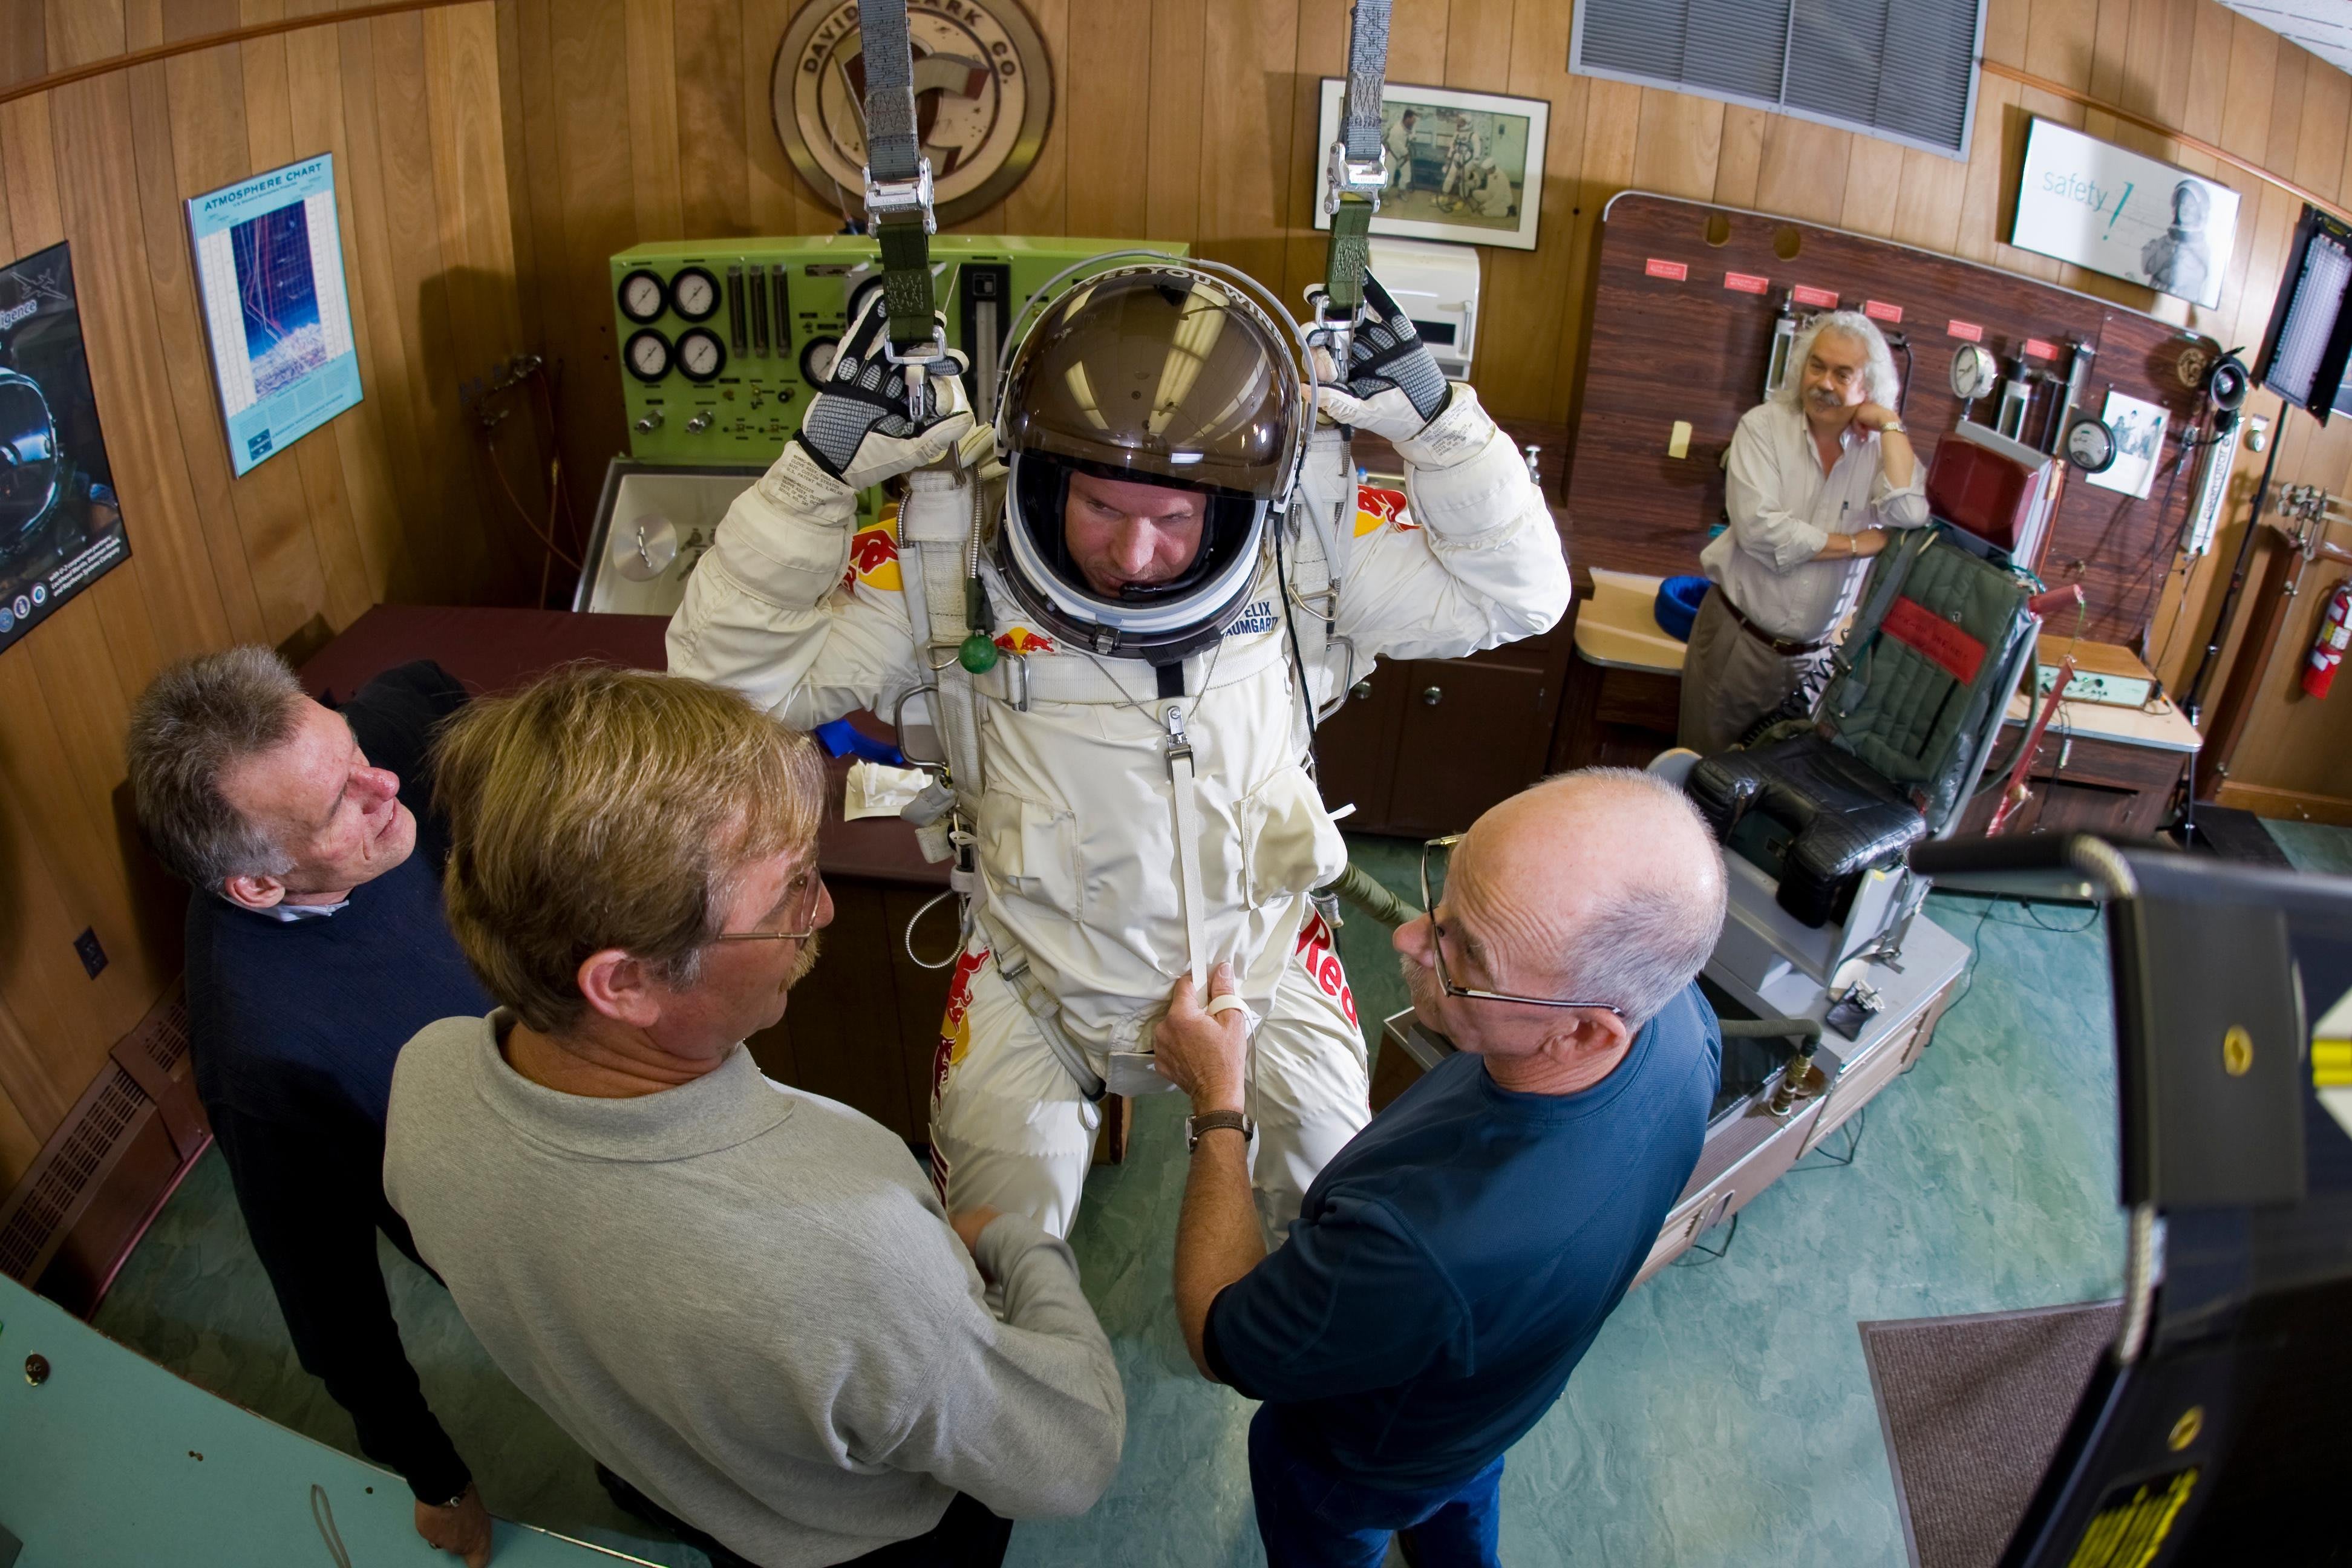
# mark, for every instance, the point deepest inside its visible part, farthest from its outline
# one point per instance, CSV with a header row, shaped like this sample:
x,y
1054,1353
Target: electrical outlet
x,y
93,957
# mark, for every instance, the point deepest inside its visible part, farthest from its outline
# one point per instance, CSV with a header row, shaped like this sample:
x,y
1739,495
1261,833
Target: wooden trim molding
x,y
2172,132
2286,804
214,40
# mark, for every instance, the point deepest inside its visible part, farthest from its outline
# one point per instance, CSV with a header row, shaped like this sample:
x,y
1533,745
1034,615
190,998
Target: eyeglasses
x,y
807,921
1444,848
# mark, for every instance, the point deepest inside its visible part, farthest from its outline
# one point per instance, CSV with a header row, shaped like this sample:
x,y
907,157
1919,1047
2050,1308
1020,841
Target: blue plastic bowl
x,y
1677,605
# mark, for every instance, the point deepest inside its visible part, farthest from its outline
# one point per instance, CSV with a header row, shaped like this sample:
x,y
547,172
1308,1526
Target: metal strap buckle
x,y
885,198
1363,178
925,354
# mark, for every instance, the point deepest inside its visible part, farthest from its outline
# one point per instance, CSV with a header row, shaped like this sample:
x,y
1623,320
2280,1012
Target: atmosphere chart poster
x,y
270,266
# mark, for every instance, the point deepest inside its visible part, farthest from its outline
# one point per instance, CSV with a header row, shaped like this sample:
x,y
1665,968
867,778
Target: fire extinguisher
x,y
2327,649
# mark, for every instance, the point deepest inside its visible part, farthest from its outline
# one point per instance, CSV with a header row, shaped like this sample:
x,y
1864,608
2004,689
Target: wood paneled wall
x,y
494,154
389,500
1195,120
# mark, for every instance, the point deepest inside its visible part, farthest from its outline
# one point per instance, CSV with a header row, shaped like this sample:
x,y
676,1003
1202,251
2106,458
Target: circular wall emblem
x,y
983,95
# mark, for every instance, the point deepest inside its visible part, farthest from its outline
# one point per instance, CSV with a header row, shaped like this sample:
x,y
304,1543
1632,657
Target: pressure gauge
x,y
860,296
701,357
694,294
2091,446
644,296
816,359
649,355
1972,373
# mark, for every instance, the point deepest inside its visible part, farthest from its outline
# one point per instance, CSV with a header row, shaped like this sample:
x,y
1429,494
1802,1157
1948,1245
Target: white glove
x,y
1394,387
857,428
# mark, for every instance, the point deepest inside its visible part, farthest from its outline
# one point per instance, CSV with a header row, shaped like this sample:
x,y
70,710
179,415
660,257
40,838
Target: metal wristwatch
x,y
1209,1120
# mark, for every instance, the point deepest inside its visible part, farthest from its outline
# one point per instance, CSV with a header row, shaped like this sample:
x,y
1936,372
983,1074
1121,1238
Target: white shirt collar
x,y
288,914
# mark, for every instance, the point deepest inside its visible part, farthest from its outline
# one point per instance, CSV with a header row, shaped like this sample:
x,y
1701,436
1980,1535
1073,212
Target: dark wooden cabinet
x,y
1427,745
1472,732
2082,785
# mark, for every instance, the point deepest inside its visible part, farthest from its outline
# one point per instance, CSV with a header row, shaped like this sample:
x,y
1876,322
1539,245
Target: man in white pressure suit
x,y
1120,659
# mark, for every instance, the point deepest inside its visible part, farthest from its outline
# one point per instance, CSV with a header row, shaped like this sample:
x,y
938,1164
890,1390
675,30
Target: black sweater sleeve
x,y
312,1202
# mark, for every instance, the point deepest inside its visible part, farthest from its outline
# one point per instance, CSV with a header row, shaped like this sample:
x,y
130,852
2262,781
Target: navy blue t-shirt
x,y
1453,1263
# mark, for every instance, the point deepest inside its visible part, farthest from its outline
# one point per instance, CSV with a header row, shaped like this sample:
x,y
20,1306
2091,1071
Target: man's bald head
x,y
1604,885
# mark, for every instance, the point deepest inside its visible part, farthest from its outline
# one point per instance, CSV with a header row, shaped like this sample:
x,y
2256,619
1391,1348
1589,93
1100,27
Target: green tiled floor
x,y
1723,1416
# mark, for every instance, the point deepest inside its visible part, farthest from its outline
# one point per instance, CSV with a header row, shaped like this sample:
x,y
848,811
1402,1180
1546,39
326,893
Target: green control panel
x,y
722,342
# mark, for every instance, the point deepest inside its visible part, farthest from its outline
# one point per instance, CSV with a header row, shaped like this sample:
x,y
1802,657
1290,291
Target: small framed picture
x,y
1462,166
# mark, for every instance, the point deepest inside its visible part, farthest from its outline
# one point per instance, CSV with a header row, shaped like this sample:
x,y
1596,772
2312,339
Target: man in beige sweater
x,y
743,1299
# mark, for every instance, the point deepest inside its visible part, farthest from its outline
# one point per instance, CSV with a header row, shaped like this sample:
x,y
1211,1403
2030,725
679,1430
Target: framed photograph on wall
x,y
2108,208
1463,166
269,269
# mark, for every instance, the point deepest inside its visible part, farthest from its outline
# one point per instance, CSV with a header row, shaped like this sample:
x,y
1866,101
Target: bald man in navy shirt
x,y
1453,1262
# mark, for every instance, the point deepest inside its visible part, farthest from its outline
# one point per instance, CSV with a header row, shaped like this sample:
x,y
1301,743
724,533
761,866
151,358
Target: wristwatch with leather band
x,y
1210,1121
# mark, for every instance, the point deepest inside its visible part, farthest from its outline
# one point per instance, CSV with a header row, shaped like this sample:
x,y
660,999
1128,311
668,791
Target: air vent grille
x,y
58,1186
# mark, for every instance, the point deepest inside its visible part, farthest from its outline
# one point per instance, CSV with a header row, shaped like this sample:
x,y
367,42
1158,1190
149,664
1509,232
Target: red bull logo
x,y
1319,957
874,557
1377,508
955,1024
1022,640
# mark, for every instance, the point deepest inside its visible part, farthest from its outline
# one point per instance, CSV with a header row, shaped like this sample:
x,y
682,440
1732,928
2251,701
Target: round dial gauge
x,y
2226,384
2091,446
701,357
644,296
816,359
694,294
1972,373
859,296
649,355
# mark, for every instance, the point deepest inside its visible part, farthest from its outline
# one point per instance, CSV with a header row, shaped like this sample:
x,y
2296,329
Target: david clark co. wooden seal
x,y
983,95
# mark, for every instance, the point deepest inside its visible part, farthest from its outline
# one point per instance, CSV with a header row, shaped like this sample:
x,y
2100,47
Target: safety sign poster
x,y
269,268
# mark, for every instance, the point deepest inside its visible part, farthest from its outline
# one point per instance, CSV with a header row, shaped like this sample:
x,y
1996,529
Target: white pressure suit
x,y
1075,831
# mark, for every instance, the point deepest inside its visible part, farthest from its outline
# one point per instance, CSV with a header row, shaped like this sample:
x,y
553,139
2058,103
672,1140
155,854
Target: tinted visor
x,y
1159,374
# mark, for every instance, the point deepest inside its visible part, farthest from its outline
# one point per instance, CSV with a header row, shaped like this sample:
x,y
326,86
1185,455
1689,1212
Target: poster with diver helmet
x,y
61,525
2108,209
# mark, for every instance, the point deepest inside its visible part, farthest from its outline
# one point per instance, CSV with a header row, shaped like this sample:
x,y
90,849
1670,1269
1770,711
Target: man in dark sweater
x,y
1453,1262
316,948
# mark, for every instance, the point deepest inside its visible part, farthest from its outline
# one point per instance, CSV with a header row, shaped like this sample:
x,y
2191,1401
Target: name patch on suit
x,y
1259,618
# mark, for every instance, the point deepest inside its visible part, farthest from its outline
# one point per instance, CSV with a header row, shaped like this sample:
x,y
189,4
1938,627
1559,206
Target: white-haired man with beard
x,y
1816,476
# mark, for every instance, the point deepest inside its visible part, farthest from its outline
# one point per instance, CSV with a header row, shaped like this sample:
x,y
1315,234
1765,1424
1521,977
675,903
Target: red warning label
x,y
1946,646
1880,311
2036,349
1746,282
1658,267
1968,331
1817,299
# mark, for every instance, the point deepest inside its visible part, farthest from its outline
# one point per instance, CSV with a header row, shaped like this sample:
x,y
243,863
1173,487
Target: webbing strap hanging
x,y
1358,172
898,191
1184,787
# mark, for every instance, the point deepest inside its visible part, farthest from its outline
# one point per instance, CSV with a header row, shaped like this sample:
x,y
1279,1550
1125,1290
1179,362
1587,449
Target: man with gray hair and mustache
x,y
1816,476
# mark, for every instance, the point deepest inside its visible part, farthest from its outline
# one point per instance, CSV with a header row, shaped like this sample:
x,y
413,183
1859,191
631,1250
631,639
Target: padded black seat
x,y
1821,814
1898,738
